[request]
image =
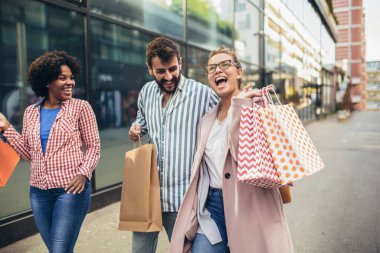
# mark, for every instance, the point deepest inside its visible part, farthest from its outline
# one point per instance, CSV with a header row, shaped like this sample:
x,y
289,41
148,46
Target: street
x,y
337,209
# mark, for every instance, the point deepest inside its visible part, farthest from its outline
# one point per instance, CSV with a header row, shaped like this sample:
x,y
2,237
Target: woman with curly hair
x,y
54,131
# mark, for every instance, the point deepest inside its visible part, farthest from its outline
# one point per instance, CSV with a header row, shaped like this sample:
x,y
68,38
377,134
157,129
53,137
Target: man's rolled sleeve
x,y
140,118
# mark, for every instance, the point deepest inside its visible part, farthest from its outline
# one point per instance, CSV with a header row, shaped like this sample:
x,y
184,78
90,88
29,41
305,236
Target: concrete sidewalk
x,y
99,234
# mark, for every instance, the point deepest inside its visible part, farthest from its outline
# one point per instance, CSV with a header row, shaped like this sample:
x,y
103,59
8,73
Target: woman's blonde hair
x,y
229,51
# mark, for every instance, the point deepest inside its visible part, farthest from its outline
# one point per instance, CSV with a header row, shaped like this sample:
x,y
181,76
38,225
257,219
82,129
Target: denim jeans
x,y
59,216
214,205
146,242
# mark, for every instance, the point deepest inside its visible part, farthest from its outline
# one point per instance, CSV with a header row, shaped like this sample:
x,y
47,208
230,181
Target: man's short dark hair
x,y
47,67
162,47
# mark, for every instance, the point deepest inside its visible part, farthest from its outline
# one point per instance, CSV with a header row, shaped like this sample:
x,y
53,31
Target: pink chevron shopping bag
x,y
255,163
292,150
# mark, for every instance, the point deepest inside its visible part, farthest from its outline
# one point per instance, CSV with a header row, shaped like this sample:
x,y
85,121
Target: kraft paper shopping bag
x,y
140,207
8,162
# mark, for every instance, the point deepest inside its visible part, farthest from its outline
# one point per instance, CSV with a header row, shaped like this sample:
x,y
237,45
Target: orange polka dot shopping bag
x,y
274,148
292,150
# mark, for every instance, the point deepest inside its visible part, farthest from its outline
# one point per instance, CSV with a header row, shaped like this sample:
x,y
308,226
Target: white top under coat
x,y
216,151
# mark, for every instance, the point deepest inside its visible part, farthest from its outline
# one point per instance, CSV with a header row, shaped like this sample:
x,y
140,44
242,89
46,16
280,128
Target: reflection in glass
x,y
210,23
251,75
28,29
247,26
327,50
197,59
272,44
118,74
290,60
164,17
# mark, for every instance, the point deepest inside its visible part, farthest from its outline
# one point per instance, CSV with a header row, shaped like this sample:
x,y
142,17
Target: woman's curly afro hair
x,y
47,67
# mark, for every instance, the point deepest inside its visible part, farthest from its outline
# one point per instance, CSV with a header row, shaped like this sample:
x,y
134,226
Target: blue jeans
x,y
214,205
146,242
59,216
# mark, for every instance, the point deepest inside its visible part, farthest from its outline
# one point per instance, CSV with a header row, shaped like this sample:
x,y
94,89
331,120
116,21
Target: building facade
x,y
373,85
290,43
350,48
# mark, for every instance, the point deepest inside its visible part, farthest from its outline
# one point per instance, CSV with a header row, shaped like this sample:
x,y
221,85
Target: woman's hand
x,y
249,92
4,123
76,185
269,87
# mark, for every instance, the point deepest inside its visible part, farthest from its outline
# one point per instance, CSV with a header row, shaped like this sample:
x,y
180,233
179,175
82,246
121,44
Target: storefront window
x,y
118,74
197,59
210,23
251,75
248,34
164,17
272,44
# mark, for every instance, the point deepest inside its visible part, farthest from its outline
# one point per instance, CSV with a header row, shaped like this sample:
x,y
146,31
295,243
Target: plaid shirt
x,y
74,126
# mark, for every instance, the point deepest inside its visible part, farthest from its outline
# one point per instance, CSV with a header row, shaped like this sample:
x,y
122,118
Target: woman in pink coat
x,y
218,212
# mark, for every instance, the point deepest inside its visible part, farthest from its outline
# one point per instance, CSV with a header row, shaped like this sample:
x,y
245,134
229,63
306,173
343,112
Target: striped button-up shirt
x,y
174,131
74,126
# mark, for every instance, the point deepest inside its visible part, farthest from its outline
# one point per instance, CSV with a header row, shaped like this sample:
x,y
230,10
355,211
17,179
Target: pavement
x,y
334,211
99,234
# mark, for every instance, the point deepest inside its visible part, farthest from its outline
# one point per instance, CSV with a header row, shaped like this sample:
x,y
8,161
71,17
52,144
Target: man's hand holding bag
x,y
140,208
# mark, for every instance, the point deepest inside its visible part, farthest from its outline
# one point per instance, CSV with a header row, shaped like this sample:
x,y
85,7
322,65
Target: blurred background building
x,y
290,43
350,48
373,85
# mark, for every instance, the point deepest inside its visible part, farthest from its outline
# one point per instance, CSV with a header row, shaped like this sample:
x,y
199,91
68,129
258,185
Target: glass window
x,y
210,23
247,26
288,89
258,3
251,75
77,2
197,59
118,74
164,17
328,49
28,29
272,44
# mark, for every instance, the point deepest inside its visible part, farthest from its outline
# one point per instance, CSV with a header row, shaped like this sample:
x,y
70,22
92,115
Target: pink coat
x,y
255,217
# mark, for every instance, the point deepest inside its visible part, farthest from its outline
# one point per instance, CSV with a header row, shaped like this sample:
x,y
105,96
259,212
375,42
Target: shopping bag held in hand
x,y
255,162
8,162
293,152
140,207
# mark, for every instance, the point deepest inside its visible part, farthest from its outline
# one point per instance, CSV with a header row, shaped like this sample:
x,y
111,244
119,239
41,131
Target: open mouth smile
x,y
220,80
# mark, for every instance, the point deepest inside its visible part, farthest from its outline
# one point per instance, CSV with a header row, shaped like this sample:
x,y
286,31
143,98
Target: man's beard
x,y
161,84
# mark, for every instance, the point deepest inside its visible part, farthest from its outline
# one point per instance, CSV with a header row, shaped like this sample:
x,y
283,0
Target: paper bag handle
x,y
268,98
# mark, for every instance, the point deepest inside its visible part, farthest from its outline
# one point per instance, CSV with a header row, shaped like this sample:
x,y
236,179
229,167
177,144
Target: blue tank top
x,y
47,117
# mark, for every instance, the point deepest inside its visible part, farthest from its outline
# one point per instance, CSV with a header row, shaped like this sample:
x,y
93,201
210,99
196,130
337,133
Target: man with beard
x,y
169,109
